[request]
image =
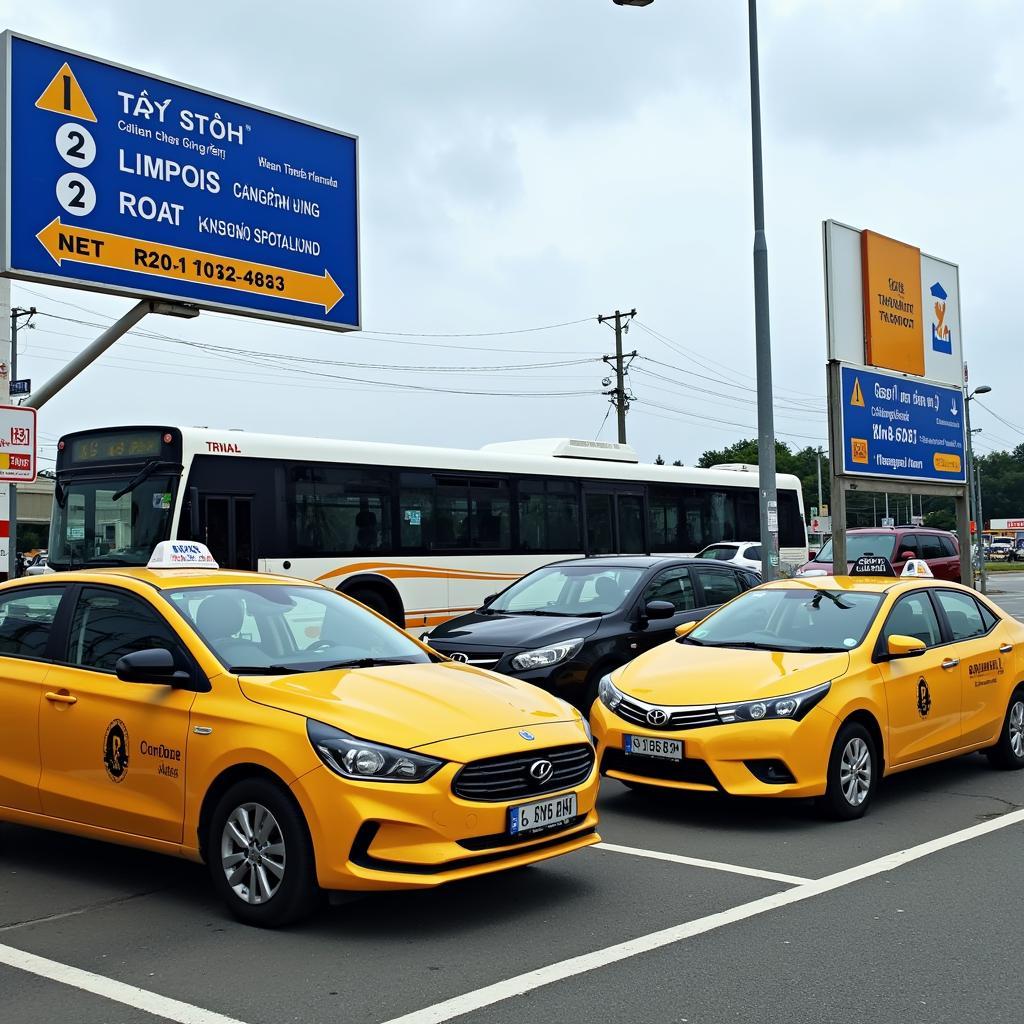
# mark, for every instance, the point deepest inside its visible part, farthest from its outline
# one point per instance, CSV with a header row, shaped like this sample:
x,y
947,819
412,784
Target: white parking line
x,y
508,989
117,991
697,862
185,1013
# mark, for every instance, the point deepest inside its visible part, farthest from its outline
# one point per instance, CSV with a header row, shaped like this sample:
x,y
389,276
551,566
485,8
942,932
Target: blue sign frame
x,y
901,428
119,181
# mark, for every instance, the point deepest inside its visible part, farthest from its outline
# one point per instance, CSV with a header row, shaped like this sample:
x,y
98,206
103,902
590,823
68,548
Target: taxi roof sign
x,y
918,568
179,554
872,565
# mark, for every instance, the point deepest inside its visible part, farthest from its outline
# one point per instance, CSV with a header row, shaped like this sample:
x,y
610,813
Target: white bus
x,y
420,534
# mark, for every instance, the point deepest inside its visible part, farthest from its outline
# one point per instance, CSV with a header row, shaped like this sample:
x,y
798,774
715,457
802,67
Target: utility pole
x,y
12,541
619,398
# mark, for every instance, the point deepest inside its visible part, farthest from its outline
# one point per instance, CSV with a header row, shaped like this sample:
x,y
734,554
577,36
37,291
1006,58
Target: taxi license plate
x,y
648,746
542,814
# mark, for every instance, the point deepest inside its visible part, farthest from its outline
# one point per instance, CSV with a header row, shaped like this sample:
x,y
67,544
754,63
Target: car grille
x,y
690,769
678,718
482,659
508,777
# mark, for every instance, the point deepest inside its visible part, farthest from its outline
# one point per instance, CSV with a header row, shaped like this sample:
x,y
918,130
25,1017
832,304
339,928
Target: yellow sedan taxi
x,y
818,687
288,736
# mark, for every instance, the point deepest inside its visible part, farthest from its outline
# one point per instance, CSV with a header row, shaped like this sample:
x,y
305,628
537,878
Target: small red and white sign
x,y
18,461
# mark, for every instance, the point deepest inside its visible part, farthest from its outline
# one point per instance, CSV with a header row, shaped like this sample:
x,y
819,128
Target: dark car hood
x,y
511,632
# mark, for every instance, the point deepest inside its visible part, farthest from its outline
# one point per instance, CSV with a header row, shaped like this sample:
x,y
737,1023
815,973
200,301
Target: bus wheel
x,y
374,600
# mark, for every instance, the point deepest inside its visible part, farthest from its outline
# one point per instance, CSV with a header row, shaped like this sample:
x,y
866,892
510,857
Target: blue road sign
x,y
901,428
20,387
127,183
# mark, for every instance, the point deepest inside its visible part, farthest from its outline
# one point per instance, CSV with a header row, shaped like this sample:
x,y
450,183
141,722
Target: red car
x,y
938,548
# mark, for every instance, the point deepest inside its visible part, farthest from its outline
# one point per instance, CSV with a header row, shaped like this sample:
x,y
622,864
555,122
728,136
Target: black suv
x,y
567,624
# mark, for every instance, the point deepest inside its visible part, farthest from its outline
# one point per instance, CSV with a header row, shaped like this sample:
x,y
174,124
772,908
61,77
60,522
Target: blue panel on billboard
x,y
901,428
131,184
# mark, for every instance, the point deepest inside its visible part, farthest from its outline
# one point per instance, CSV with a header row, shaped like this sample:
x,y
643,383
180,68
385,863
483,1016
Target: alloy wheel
x,y
252,853
1017,728
855,771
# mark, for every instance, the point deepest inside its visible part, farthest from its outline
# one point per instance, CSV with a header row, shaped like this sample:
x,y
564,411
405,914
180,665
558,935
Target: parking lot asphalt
x,y
148,929
694,909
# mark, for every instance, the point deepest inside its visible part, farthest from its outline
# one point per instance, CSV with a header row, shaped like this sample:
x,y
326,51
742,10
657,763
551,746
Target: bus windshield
x,y
116,520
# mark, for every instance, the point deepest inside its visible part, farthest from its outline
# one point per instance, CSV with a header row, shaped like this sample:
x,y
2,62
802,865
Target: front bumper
x,y
725,758
371,836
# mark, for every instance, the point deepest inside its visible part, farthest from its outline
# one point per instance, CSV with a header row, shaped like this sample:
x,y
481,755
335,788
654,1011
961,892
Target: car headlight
x,y
544,657
353,758
791,705
609,695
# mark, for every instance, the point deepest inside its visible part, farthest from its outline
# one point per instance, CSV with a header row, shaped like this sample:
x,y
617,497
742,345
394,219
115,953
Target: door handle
x,y
61,698
1005,648
950,663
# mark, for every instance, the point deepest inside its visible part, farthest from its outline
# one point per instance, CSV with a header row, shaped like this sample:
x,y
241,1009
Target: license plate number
x,y
542,814
648,746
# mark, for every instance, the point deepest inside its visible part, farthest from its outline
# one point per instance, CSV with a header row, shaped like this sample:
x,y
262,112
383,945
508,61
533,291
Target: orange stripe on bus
x,y
403,570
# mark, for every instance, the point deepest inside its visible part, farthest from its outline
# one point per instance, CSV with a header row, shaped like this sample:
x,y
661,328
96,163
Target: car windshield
x,y
791,619
569,590
101,522
271,628
720,552
860,544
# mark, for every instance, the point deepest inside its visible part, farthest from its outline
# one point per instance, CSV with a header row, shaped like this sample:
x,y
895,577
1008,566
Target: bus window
x,y
416,511
549,516
336,510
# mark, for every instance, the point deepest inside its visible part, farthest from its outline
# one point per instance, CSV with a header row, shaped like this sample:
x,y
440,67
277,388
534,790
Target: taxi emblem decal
x,y
924,698
115,751
657,716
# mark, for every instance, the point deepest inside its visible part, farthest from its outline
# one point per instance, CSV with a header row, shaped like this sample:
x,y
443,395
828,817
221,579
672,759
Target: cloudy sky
x,y
534,162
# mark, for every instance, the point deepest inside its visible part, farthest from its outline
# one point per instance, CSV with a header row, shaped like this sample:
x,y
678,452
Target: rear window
x,y
720,552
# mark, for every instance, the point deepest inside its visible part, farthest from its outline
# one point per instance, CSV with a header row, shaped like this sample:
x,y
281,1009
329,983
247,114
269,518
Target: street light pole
x,y
768,504
762,328
974,488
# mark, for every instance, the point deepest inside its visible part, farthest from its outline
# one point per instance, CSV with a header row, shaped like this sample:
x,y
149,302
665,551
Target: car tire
x,y
1008,752
852,774
260,855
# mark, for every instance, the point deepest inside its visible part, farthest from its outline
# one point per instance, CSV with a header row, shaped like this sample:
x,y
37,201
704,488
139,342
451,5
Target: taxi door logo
x,y
115,751
942,336
924,698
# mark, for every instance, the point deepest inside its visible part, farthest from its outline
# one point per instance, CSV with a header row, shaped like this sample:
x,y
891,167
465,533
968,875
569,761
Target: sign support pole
x,y
6,348
837,489
92,352
12,536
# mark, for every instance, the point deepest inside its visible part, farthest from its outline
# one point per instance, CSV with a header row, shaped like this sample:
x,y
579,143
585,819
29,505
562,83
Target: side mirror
x,y
906,647
659,609
154,665
904,555
686,629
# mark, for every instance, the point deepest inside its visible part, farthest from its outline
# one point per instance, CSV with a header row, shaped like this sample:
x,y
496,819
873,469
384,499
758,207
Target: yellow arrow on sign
x,y
170,262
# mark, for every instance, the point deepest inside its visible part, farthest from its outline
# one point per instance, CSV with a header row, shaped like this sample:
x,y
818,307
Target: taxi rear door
x,y
923,692
113,752
984,645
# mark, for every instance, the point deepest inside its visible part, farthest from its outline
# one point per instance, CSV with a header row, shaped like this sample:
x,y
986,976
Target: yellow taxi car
x,y
290,737
818,687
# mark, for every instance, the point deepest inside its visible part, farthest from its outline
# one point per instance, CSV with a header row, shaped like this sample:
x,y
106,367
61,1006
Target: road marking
x,y
523,983
697,862
117,991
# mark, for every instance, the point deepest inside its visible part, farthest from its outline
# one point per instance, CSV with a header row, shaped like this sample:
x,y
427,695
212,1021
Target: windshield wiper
x,y
360,663
691,640
557,615
266,670
147,471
